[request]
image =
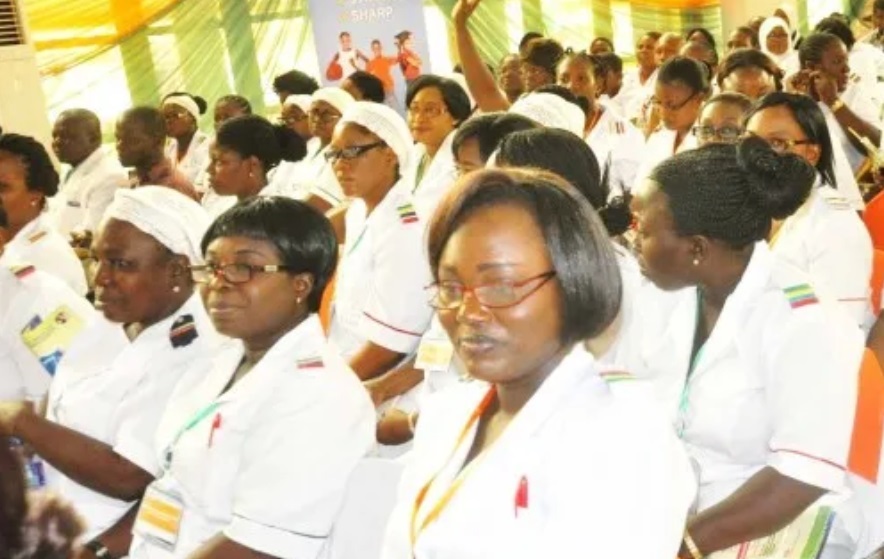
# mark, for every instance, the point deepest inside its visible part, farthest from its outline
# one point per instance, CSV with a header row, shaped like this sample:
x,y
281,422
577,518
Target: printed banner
x,y
386,38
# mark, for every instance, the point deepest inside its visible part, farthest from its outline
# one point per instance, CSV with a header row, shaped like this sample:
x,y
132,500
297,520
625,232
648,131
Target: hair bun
x,y
780,183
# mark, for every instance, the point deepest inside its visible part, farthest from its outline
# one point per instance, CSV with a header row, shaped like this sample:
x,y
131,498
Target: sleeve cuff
x,y
809,469
140,455
278,542
388,336
326,195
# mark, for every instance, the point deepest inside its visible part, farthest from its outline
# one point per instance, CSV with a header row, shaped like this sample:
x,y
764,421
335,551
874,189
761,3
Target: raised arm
x,y
480,81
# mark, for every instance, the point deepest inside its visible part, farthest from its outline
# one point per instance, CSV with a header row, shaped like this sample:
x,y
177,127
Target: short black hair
x,y
455,98
544,53
878,5
686,71
814,46
295,82
344,34
255,136
571,158
200,102
85,118
749,58
605,40
488,130
303,237
710,40
838,27
731,98
731,193
149,119
812,121
40,174
608,62
13,495
528,37
237,100
581,253
371,86
753,35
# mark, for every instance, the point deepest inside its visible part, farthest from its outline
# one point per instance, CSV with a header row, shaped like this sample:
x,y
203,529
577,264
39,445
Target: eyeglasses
x,y
235,272
323,116
350,153
293,119
431,111
449,295
725,134
782,145
672,107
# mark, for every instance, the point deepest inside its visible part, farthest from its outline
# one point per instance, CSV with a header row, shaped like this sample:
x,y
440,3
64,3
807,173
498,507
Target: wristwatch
x,y
836,105
99,549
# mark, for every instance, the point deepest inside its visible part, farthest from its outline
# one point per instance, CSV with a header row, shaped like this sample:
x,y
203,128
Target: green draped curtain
x,y
215,47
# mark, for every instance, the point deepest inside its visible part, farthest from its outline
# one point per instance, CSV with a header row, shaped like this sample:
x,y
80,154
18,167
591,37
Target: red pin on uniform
x,y
216,424
521,500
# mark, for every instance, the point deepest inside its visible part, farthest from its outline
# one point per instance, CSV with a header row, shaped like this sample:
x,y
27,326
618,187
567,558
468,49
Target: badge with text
x,y
434,353
159,517
48,338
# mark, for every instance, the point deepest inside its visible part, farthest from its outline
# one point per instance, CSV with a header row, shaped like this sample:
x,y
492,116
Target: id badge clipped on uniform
x,y
159,517
434,353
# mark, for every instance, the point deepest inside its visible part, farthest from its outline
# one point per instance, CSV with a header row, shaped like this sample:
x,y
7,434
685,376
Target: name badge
x,y
73,204
159,517
434,353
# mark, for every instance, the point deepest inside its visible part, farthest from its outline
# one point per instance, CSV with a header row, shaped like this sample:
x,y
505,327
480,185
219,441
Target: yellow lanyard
x,y
452,490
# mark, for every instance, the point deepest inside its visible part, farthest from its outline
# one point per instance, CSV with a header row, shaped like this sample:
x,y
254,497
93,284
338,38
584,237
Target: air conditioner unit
x,y
22,102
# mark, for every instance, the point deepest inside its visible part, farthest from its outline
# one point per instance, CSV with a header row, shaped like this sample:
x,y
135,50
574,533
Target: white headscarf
x,y
386,124
186,103
552,111
300,101
788,61
334,96
174,220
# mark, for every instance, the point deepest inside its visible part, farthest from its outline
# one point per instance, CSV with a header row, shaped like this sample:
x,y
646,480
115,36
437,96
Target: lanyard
x,y
358,240
452,490
421,168
686,391
194,421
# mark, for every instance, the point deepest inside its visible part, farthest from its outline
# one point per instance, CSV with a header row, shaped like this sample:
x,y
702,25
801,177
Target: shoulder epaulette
x,y
407,214
22,271
36,236
616,376
800,295
311,363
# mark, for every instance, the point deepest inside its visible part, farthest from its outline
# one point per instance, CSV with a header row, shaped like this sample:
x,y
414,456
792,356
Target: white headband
x,y
552,111
185,103
300,101
173,219
334,96
386,124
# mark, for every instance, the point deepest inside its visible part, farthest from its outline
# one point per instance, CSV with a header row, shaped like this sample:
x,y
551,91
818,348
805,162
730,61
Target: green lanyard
x,y
422,166
194,421
358,240
686,391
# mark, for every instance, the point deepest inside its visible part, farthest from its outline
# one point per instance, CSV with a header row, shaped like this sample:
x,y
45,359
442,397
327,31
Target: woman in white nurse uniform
x,y
41,317
379,311
436,108
115,379
824,238
188,147
256,448
766,370
29,179
539,456
681,89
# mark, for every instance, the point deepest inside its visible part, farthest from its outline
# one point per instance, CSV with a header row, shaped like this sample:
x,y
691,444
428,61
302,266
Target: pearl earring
x,y
176,289
298,300
696,261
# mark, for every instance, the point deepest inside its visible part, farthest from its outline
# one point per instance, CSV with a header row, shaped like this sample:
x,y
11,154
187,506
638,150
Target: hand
x,y
824,88
463,10
11,414
798,82
392,428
